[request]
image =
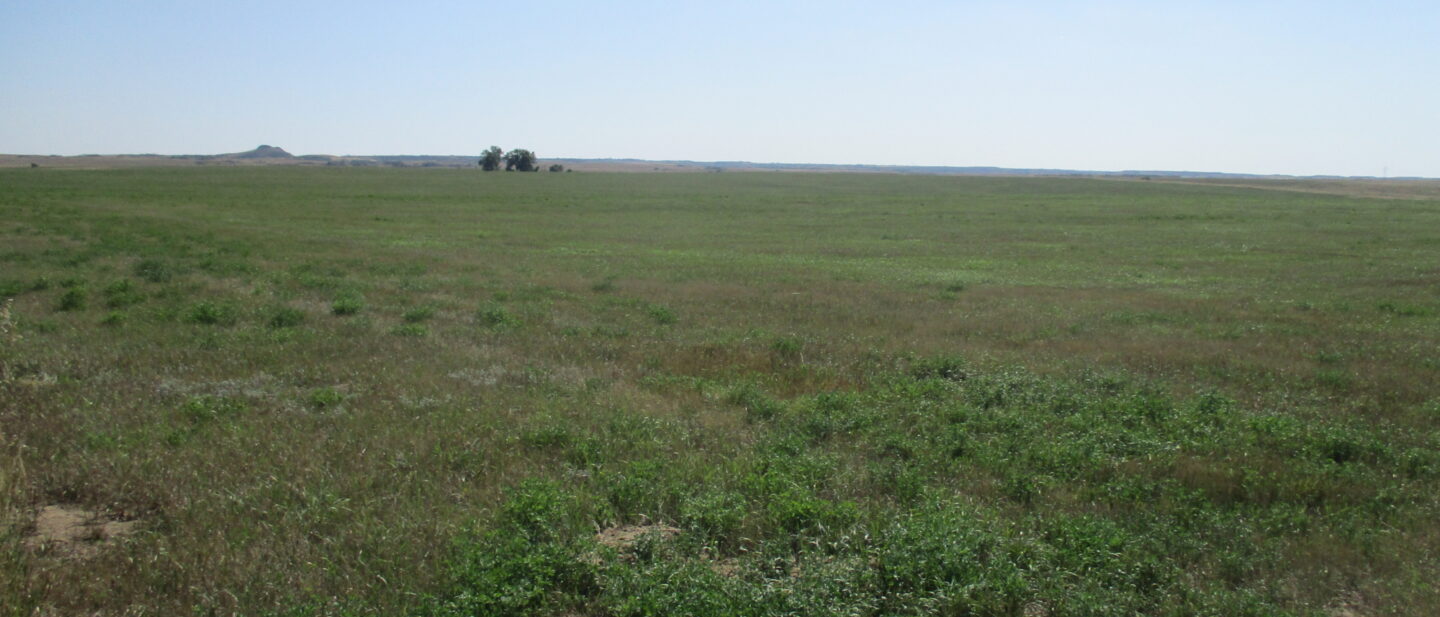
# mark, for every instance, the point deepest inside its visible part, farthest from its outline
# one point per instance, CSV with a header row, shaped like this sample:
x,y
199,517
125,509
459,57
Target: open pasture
x,y
306,391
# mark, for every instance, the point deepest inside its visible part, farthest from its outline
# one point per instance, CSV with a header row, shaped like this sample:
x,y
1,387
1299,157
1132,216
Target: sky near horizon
x,y
1305,88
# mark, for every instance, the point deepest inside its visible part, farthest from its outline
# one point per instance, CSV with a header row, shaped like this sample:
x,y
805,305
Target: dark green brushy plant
x,y
418,314
154,270
286,317
496,317
662,314
716,515
346,305
529,564
325,398
953,368
122,293
417,330
202,409
787,347
758,405
210,314
11,288
74,299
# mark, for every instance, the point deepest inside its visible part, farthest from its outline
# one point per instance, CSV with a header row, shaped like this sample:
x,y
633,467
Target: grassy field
x,y
441,392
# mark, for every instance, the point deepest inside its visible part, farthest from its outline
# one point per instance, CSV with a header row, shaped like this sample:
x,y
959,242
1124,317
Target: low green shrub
x,y
418,314
496,317
285,317
211,314
661,314
410,329
73,299
346,305
154,270
758,405
122,293
324,398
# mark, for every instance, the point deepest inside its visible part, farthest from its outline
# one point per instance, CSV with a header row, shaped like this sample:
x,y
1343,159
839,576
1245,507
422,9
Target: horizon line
x,y
775,164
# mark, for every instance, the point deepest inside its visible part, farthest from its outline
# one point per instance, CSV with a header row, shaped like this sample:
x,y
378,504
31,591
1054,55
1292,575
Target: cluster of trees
x,y
518,159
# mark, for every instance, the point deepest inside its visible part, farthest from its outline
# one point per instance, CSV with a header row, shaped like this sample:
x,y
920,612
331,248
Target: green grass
x,y
384,391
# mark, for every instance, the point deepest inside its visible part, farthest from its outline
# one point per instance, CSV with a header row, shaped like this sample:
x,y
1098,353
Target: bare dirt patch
x,y
624,537
1348,604
71,531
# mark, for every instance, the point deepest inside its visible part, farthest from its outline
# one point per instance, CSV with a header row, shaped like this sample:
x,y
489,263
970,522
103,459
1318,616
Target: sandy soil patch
x,y
71,531
624,537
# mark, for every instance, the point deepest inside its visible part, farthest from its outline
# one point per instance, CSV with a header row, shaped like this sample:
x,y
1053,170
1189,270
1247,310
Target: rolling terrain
x,y
302,390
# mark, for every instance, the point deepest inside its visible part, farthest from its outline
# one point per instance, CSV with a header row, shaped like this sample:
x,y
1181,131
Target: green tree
x,y
520,159
490,159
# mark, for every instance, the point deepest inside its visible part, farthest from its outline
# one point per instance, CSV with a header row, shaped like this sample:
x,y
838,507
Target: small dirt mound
x,y
624,537
71,531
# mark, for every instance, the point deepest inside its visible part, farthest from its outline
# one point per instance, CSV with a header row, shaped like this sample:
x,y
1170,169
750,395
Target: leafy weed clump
x,y
787,347
495,317
212,314
204,409
73,299
417,330
661,314
154,271
530,563
324,398
285,317
418,314
758,405
122,293
346,305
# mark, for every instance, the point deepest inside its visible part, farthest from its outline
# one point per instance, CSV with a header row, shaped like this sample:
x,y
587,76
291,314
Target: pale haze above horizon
x,y
1304,88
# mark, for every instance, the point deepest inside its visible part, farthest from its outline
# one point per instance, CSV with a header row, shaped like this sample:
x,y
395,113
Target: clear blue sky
x,y
1245,86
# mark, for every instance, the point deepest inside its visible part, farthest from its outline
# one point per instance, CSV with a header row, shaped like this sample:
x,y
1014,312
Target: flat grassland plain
x,y
305,391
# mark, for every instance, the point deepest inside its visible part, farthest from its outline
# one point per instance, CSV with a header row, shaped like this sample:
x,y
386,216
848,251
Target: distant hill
x,y
262,152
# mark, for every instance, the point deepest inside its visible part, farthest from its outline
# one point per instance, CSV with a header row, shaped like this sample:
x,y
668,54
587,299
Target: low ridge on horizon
x,y
265,154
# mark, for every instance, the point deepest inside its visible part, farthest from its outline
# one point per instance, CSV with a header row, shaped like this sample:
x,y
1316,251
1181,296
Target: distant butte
x,y
262,152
